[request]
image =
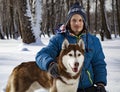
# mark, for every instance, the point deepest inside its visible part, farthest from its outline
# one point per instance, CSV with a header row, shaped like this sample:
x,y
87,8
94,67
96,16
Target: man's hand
x,y
100,88
53,70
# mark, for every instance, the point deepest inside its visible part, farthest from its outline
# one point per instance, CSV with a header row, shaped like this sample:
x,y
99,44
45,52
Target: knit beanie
x,y
77,9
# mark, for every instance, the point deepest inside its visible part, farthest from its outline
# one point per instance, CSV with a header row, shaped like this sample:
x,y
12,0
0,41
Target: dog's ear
x,y
81,44
65,44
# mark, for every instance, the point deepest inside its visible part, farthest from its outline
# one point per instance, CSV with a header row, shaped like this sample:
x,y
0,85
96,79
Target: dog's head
x,y
71,57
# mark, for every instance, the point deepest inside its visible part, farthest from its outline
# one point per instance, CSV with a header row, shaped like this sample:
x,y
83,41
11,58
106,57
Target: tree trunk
x,y
113,17
52,16
118,15
104,20
88,13
81,2
1,35
96,16
25,25
11,19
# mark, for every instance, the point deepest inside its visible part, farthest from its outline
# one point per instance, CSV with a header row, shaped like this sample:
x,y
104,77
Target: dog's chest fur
x,y
67,86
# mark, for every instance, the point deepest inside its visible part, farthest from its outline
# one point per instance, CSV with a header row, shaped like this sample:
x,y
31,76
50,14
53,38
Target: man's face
x,y
76,23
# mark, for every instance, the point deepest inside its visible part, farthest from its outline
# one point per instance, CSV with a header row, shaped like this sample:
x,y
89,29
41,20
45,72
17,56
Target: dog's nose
x,y
76,64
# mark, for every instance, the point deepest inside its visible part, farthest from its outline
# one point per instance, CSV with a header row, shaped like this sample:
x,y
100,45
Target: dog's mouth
x,y
75,69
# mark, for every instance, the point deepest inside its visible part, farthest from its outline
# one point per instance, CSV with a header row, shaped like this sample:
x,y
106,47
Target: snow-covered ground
x,y
13,52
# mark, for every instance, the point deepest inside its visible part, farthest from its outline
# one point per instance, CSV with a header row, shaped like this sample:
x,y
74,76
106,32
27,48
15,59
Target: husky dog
x,y
28,77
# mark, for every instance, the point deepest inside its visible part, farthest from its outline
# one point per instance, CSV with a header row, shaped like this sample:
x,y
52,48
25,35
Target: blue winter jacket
x,y
94,69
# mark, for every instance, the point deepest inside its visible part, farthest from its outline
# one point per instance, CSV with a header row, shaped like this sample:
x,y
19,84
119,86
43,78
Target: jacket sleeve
x,y
99,65
48,54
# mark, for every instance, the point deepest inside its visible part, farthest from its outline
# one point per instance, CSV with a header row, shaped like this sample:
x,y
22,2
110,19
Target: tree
x,y
96,15
1,35
25,24
118,15
88,13
113,17
104,20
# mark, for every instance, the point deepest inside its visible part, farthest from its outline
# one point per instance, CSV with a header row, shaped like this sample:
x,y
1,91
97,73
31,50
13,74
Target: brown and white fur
x,y
28,77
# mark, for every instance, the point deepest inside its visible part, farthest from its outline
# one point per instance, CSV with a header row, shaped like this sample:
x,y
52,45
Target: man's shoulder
x,y
93,37
59,37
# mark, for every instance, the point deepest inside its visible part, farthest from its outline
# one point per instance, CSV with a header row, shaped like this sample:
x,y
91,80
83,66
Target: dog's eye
x,y
70,54
79,54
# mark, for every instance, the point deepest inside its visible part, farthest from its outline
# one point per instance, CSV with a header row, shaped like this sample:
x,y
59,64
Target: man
x,y
94,70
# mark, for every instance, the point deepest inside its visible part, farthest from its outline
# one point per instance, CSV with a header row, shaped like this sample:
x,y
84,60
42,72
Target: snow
x,y
13,52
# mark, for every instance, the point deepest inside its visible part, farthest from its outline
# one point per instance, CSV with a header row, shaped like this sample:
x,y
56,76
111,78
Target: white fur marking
x,y
62,87
34,86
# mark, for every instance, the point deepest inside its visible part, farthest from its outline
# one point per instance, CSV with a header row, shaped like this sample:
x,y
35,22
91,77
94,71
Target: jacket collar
x,y
73,35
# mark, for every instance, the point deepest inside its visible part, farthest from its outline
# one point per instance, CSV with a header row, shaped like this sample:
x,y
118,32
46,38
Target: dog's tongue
x,y
75,69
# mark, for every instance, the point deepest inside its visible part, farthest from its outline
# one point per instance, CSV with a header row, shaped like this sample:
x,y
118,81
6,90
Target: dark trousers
x,y
90,89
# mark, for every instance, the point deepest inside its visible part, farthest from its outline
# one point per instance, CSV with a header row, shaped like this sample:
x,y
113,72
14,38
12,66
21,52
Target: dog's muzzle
x,y
75,68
